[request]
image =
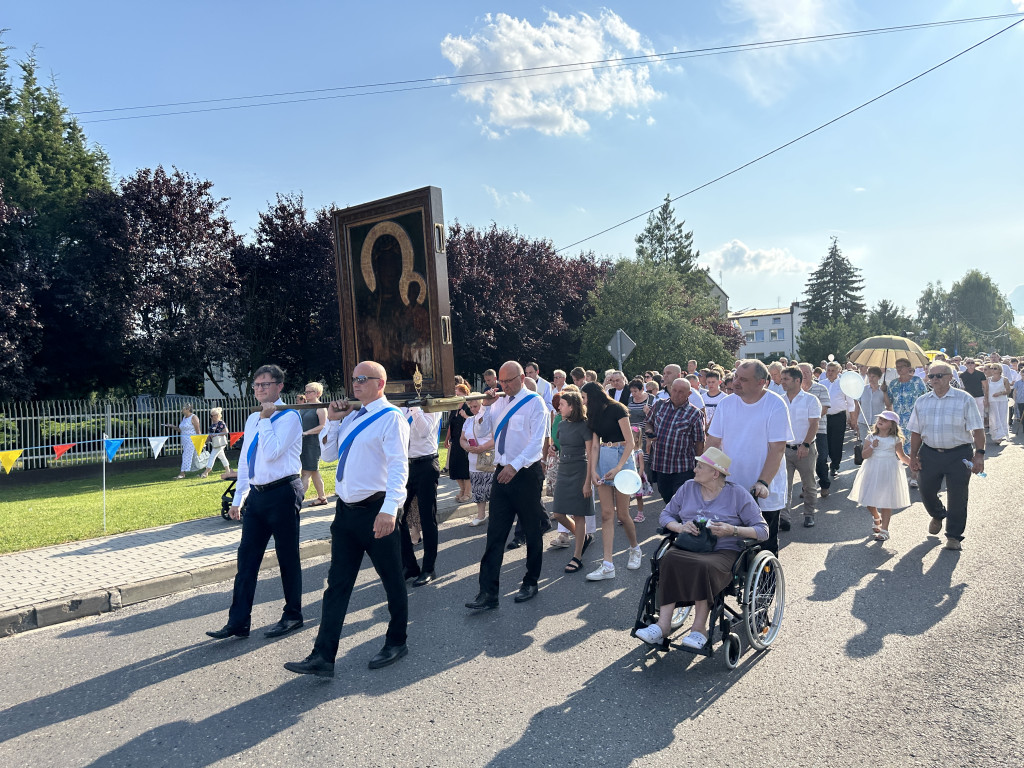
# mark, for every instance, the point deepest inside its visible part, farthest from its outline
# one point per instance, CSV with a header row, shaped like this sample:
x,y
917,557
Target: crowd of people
x,y
722,446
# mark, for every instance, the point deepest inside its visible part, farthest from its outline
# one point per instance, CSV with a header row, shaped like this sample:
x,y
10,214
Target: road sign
x,y
620,347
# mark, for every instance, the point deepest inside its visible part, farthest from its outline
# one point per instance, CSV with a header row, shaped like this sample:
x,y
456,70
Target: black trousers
x,y
821,463
836,424
519,496
422,484
669,483
269,513
772,542
351,537
937,466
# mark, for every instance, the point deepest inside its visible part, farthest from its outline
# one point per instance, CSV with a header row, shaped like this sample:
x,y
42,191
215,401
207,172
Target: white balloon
x,y
831,358
628,482
852,384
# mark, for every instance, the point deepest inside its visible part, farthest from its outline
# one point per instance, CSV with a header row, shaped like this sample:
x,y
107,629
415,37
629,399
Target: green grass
x,y
58,511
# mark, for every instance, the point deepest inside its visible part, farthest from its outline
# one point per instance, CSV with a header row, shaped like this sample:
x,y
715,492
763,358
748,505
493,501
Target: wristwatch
x,y
980,450
806,445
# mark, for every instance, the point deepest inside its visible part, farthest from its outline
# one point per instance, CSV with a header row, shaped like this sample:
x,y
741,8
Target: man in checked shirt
x,y
676,431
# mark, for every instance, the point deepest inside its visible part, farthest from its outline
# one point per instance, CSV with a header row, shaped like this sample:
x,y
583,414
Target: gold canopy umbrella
x,y
883,351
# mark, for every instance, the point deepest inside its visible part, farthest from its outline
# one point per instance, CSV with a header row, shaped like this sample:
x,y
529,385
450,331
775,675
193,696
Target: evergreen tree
x,y
664,241
834,290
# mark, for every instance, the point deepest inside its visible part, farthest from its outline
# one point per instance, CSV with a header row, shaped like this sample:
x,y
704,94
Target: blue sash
x,y
346,444
508,415
250,457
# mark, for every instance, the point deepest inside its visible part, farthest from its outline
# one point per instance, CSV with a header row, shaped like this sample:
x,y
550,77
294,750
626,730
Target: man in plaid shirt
x,y
676,431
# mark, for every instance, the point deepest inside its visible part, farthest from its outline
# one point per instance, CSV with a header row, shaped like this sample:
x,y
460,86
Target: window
x,y
753,322
748,336
758,335
778,334
776,321
757,355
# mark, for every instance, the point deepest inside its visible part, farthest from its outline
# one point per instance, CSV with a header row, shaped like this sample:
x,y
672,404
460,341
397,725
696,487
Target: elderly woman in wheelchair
x,y
711,518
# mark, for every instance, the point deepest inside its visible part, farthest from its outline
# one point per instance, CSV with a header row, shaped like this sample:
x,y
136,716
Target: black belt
x,y
948,450
571,457
373,498
431,457
273,483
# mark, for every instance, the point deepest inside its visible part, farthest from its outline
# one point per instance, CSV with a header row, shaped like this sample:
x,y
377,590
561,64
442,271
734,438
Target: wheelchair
x,y
227,498
753,603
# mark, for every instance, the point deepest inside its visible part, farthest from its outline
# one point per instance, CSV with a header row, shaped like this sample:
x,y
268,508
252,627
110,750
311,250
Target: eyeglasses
x,y
264,384
509,381
364,379
938,375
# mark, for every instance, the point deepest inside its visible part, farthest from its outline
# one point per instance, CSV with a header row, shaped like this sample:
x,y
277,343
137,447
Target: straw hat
x,y
713,457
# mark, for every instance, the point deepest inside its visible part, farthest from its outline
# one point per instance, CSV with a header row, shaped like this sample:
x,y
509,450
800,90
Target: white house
x,y
769,333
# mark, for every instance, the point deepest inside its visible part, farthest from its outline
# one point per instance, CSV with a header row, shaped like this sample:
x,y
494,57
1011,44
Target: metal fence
x,y
38,427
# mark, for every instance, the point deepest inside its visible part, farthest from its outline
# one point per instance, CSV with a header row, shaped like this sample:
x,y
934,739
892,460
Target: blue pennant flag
x,y
111,447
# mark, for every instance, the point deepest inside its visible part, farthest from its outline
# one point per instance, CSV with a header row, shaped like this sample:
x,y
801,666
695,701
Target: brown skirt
x,y
690,576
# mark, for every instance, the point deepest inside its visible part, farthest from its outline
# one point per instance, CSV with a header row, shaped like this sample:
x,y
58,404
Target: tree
x,y
834,290
834,337
652,304
981,307
664,241
515,299
889,319
288,299
19,326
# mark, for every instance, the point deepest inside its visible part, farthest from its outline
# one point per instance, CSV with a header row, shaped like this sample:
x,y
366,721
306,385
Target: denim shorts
x,y
609,458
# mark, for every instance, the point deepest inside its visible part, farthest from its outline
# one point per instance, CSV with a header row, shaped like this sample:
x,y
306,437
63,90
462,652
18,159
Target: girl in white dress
x,y
997,392
881,483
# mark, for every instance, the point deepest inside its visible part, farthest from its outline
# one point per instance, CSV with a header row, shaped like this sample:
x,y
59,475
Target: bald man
x,y
371,446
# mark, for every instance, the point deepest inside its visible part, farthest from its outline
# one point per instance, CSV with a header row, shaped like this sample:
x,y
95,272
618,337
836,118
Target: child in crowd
x,y
645,489
881,483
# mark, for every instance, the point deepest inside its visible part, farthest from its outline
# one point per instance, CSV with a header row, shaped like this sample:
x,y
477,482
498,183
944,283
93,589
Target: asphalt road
x,y
897,654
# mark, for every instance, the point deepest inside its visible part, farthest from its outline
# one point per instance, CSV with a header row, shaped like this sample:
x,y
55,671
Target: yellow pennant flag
x,y
198,441
7,459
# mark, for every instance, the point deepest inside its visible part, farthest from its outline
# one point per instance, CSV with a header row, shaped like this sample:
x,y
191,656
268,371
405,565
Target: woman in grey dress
x,y
313,422
574,493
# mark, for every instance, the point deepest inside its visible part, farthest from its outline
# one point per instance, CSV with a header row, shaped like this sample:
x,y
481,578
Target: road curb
x,y
99,601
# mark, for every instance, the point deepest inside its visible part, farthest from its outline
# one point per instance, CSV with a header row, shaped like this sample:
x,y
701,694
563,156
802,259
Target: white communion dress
x,y
882,480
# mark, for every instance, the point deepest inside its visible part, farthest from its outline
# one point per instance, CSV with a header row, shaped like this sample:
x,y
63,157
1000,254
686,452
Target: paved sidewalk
x,y
47,586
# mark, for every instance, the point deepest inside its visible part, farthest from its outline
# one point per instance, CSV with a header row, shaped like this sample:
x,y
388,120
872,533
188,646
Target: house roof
x,y
759,312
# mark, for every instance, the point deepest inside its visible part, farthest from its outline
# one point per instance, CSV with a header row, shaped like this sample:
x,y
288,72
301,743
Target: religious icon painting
x,y
393,290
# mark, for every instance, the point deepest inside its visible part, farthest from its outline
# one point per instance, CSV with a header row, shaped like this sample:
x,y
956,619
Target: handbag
x,y
485,461
858,454
704,541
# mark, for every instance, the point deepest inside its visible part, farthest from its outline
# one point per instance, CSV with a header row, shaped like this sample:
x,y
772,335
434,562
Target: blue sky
x,y
920,186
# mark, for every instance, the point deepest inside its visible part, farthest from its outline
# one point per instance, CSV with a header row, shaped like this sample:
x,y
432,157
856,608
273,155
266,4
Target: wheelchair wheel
x,y
764,600
733,650
647,613
679,616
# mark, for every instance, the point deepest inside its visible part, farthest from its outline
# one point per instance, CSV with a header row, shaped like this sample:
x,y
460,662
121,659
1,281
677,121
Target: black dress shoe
x,y
483,602
526,592
412,573
313,664
283,627
229,631
389,654
516,543
784,524
424,578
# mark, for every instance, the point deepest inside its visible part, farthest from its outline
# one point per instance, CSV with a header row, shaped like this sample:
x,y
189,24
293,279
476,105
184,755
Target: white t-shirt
x,y
711,402
696,400
746,430
802,409
469,429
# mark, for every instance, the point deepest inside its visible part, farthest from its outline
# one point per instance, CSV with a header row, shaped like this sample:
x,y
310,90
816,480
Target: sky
x,y
919,186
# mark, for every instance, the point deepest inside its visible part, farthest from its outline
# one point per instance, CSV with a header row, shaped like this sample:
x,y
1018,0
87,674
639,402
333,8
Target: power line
x,y
792,141
451,81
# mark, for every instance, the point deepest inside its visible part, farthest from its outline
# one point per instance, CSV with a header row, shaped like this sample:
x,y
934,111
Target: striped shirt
x,y
947,421
677,431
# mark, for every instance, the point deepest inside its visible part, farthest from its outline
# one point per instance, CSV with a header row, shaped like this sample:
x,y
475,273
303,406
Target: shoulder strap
x,y
351,436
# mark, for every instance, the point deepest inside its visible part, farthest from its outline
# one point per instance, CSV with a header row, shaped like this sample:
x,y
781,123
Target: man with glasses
x,y
371,447
943,426
270,491
519,423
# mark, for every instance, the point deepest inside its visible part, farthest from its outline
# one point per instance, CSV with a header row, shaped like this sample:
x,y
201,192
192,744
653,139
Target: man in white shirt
x,y
801,454
424,472
752,428
618,389
670,374
269,489
841,415
696,397
371,447
519,423
775,373
532,370
557,381
820,392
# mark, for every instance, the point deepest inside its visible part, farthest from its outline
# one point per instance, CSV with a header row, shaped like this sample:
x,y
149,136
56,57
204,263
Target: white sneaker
x,y
635,558
651,635
477,521
695,640
913,483
603,572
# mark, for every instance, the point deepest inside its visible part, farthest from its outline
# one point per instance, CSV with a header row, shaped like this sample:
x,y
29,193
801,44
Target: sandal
x,y
204,475
180,477
561,541
881,535
695,640
587,541
876,525
574,565
639,517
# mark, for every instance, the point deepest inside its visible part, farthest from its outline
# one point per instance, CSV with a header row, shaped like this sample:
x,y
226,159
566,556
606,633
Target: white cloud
x,y
553,104
501,200
736,256
865,189
768,73
651,121
1019,4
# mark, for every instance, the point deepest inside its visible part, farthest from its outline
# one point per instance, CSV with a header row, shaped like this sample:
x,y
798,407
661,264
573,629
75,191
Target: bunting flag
x,y
234,437
60,450
111,447
7,459
157,444
198,441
